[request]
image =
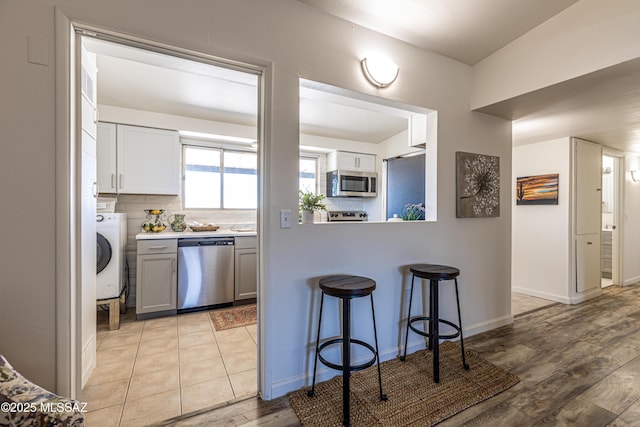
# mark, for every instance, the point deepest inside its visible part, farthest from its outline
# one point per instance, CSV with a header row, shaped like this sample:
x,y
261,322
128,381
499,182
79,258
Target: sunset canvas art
x,y
537,190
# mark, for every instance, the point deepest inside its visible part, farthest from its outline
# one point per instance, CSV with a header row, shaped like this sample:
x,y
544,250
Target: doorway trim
x,y
617,258
67,120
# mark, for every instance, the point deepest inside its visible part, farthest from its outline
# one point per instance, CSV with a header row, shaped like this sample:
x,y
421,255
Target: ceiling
x,y
134,78
465,30
600,107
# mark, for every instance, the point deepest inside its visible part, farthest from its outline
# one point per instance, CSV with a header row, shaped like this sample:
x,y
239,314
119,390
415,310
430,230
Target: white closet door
x,y
588,168
587,262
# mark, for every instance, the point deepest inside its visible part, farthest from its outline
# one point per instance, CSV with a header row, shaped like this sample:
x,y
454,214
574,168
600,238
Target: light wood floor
x,y
579,365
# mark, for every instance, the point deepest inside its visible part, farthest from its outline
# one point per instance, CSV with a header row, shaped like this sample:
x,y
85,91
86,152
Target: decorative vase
x,y
178,224
154,221
307,217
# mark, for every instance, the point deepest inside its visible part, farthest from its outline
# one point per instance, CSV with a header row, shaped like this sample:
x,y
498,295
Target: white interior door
x,y
88,192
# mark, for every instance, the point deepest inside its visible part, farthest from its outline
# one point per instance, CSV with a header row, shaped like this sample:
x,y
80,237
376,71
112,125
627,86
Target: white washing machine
x,y
111,239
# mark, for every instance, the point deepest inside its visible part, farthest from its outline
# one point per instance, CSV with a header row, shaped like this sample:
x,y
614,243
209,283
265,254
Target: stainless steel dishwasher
x,y
205,272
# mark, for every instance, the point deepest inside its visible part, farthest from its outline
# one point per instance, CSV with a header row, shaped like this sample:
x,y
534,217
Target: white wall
x,y
596,33
27,170
540,234
292,40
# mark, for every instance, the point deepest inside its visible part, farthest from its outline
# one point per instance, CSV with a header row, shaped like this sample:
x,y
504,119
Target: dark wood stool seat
x,y
434,271
346,287
435,274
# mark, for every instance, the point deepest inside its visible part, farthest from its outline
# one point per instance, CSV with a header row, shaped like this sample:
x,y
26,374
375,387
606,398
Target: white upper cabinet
x,y
418,130
148,160
106,156
345,160
138,160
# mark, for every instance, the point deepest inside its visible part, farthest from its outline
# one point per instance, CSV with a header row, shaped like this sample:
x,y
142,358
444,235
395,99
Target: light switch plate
x,y
285,218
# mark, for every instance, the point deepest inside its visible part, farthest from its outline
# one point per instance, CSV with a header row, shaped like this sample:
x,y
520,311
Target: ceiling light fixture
x,y
380,71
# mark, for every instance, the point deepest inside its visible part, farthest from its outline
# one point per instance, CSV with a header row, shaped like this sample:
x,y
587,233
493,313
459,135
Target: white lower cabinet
x,y
156,276
246,268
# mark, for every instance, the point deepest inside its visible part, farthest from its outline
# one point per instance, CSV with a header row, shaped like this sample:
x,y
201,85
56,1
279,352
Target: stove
x,y
344,216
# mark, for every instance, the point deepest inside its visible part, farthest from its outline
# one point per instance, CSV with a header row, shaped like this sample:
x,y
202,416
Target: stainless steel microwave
x,y
342,183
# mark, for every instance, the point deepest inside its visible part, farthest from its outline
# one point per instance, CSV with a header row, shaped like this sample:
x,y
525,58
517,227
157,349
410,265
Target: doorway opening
x,y
610,258
213,105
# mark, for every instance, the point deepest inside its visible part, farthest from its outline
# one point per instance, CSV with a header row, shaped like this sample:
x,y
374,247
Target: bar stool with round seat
x,y
435,274
346,288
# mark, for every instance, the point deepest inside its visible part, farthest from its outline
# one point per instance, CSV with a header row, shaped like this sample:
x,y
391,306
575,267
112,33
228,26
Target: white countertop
x,y
188,234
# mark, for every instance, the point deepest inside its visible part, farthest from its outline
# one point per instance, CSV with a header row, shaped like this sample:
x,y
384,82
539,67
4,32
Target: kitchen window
x,y
308,179
220,178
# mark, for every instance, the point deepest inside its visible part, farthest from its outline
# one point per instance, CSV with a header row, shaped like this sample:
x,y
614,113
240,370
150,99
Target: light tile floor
x,y
521,303
153,370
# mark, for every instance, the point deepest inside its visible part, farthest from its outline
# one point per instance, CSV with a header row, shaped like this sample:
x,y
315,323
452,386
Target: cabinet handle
x,y
157,247
121,180
589,243
94,189
113,180
173,265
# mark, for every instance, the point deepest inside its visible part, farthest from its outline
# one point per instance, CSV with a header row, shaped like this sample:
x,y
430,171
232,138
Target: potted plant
x,y
309,203
413,212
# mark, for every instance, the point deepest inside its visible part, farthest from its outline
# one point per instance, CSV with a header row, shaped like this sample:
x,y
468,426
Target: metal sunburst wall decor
x,y
477,185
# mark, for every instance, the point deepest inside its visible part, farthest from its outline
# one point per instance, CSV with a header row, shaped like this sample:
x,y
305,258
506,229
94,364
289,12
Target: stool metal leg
x,y
375,337
406,337
464,363
432,301
435,332
315,361
346,359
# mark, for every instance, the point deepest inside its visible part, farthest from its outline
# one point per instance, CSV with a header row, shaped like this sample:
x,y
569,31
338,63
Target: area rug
x,y
234,317
413,398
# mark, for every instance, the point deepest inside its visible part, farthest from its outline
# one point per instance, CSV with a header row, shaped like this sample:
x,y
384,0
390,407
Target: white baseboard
x,y
539,294
487,326
284,386
577,299
88,358
631,281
